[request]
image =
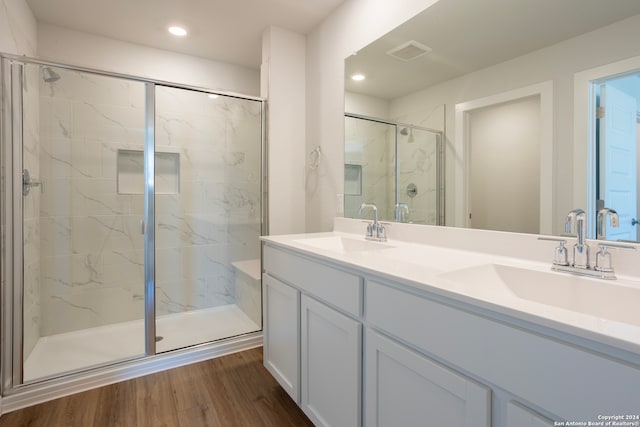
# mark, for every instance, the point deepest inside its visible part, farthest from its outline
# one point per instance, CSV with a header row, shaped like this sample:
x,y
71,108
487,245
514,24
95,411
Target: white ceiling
x,y
468,35
223,30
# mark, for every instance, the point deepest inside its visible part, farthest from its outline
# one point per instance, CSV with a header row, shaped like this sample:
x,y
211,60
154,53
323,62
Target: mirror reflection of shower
x,y
383,158
408,131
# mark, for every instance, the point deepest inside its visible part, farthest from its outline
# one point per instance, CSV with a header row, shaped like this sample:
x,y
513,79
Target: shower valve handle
x,y
28,183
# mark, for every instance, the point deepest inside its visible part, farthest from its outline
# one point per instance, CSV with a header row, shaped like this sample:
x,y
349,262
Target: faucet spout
x,y
364,206
580,249
577,217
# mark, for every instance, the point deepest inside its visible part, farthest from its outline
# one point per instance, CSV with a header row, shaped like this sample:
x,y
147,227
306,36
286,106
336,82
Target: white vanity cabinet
x,y
313,335
569,382
355,346
406,388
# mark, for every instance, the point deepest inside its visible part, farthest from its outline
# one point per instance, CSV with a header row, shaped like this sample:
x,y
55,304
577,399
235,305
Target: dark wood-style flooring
x,y
234,390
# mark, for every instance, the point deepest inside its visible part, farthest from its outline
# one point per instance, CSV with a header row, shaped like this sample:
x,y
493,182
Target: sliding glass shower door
x,y
133,214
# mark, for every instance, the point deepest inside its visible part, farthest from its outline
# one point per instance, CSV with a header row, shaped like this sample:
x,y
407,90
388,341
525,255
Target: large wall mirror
x,y
500,115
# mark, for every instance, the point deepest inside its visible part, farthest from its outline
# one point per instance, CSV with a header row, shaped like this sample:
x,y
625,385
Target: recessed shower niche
x,y
131,172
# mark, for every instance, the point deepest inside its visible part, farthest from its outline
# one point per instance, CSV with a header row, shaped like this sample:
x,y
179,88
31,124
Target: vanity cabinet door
x,y
518,415
281,308
405,388
331,362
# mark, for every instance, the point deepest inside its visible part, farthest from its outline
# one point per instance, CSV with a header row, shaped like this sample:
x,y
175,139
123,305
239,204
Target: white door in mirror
x,y
618,159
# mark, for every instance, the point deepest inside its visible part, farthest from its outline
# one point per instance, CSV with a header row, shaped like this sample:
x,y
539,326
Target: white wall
x,y
283,84
504,194
352,26
365,105
83,49
17,28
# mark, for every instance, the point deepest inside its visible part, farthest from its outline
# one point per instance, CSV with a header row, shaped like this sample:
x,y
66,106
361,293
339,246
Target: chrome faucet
x,y
601,226
375,230
603,268
580,249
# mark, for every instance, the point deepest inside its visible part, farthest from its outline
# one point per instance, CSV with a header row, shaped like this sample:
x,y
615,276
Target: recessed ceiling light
x,y
213,96
177,31
358,77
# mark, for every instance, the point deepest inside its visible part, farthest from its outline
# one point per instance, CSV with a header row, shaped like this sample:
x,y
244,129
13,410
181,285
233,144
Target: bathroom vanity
x,y
403,333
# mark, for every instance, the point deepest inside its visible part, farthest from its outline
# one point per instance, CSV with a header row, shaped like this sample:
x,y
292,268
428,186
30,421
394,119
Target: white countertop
x,y
425,267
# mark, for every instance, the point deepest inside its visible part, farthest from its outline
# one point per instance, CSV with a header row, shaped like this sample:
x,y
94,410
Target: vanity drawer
x,y
337,287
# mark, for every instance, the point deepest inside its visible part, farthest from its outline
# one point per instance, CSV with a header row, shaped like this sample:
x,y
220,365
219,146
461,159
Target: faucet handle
x,y
560,256
381,232
603,257
369,228
603,260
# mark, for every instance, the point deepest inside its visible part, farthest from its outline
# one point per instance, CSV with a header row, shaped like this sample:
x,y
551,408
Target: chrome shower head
x,y
49,76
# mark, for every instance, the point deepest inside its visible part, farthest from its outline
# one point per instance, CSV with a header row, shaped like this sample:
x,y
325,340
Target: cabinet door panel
x,y
518,415
282,334
406,388
331,361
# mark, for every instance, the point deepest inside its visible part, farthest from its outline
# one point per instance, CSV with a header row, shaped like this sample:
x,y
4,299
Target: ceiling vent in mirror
x,y
409,51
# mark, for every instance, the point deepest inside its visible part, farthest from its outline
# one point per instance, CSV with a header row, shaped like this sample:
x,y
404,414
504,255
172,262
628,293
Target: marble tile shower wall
x,y
417,164
417,161
91,246
371,145
92,249
215,218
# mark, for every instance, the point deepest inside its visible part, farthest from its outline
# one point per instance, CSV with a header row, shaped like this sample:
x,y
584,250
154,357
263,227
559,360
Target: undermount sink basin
x,y
343,244
607,300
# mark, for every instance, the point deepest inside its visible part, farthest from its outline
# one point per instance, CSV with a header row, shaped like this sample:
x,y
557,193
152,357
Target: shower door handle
x,y
142,226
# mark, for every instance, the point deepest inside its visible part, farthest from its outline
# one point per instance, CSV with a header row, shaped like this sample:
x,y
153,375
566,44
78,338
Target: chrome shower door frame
x,y
12,225
11,220
149,221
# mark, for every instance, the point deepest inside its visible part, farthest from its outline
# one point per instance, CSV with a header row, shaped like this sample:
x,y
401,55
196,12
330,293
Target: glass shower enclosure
x,y
131,215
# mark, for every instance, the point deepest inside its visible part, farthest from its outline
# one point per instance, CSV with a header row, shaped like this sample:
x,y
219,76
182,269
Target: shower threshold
x,y
71,351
